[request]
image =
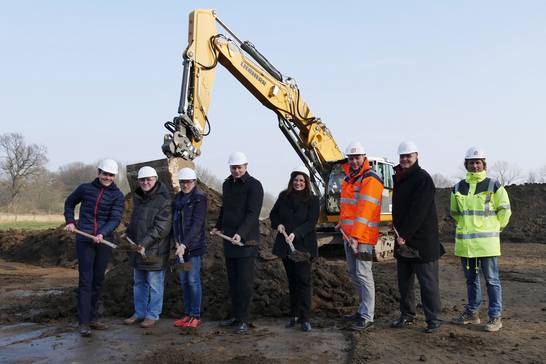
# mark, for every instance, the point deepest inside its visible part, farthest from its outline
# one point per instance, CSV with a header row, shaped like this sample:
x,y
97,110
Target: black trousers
x,y
299,285
92,262
427,274
240,272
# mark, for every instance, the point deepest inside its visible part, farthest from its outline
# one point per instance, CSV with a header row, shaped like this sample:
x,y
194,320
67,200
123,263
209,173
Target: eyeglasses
x,y
145,179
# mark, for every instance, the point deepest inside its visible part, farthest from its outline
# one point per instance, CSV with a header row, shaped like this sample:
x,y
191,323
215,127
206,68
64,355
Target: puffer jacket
x,y
101,209
150,226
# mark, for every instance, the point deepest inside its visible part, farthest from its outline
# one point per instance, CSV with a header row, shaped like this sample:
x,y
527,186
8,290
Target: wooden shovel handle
x,y
104,241
229,239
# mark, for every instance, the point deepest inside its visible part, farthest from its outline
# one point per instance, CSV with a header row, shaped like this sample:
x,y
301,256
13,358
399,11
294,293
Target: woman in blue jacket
x,y
189,212
101,208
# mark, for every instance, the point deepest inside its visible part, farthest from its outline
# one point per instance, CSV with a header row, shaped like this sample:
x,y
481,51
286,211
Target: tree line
x,y
26,185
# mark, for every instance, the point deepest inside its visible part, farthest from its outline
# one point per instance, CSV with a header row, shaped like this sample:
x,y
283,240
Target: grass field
x,y
29,225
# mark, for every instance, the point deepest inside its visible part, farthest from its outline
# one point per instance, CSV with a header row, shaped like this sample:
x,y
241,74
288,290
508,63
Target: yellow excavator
x,y
306,133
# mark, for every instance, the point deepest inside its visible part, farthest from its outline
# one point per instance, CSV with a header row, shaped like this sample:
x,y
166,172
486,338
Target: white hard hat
x,y
186,174
237,159
146,171
354,148
108,166
301,169
475,153
407,147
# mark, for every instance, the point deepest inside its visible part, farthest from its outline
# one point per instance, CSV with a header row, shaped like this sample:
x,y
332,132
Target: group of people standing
x,y
159,226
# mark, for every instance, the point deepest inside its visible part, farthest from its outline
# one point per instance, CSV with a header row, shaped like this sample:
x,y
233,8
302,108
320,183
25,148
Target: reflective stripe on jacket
x,y
481,208
360,204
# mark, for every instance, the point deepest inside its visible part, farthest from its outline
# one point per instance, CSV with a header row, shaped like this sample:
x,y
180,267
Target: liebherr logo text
x,y
253,73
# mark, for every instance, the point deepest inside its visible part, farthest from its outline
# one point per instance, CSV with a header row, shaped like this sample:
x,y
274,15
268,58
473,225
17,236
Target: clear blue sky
x,y
93,79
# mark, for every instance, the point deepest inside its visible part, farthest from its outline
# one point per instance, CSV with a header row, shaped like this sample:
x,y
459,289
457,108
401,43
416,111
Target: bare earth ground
x,y
522,339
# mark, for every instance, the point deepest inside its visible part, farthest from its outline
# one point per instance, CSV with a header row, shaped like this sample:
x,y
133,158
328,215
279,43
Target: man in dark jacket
x,y
101,210
149,227
416,224
239,219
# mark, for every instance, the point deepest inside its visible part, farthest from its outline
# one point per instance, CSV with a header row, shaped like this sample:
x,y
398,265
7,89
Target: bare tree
x,y
507,173
541,175
19,161
73,174
208,178
441,181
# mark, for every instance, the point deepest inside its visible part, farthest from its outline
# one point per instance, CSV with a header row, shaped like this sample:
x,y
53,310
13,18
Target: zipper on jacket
x,y
95,211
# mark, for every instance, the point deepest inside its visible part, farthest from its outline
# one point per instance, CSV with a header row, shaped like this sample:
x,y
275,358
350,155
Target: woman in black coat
x,y
296,213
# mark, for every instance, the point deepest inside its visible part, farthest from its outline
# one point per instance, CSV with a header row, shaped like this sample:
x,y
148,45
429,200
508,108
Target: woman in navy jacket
x,y
101,208
296,212
189,212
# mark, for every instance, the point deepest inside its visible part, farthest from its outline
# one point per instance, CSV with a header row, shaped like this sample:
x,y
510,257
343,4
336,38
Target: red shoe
x,y
183,322
194,323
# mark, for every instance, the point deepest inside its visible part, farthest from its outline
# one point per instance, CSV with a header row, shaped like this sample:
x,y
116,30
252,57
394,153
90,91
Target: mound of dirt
x,y
332,291
528,221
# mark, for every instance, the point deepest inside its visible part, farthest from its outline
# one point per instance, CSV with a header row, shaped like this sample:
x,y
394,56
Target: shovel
x,y
295,255
248,243
181,266
145,259
105,242
404,250
358,255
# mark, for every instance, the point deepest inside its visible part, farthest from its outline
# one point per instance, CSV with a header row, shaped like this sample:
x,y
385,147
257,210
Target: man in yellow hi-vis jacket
x,y
481,208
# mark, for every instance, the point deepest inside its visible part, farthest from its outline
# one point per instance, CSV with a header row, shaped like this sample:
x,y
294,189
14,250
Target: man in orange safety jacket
x,y
360,209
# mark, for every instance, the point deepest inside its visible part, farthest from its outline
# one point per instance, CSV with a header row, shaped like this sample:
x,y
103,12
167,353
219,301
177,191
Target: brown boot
x,y
147,323
97,325
132,320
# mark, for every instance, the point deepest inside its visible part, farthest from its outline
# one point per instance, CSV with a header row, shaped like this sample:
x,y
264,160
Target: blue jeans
x,y
489,267
362,277
148,292
191,285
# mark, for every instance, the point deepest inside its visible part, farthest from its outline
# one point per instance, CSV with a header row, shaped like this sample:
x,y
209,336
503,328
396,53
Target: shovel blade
x,y
297,256
183,267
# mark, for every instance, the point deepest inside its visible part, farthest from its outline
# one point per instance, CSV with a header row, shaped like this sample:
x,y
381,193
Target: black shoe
x,y
85,330
354,317
230,322
242,328
362,325
293,321
306,326
432,327
403,321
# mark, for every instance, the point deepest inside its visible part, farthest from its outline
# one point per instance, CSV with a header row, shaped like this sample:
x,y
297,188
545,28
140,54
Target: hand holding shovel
x,y
182,266
234,242
295,255
358,255
103,241
403,249
140,249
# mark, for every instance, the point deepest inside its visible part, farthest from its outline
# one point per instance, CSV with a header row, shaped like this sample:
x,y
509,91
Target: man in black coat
x,y
239,219
418,247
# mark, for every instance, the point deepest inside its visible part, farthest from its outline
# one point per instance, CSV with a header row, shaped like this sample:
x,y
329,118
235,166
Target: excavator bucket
x,y
167,170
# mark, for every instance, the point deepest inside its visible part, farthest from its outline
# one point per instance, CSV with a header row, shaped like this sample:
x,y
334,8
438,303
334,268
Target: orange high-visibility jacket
x,y
360,204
